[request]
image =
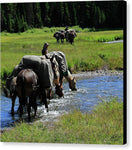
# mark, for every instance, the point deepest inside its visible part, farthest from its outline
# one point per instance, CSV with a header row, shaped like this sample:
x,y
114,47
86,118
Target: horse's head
x,y
10,86
59,91
13,84
72,84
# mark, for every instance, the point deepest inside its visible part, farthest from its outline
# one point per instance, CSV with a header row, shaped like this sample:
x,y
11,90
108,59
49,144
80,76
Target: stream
x,y
90,92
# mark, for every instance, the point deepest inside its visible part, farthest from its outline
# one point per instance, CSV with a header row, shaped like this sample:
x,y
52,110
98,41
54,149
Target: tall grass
x,y
103,126
87,52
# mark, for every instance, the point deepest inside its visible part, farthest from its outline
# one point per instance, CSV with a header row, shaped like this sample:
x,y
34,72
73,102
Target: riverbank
x,y
103,126
90,74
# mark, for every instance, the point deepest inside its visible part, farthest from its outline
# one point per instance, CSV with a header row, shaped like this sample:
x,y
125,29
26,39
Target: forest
x,y
18,17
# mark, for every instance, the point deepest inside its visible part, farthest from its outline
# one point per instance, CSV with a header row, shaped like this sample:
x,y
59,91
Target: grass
x,y
87,53
103,126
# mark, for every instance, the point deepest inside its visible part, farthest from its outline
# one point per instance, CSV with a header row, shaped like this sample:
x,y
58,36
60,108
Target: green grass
x,y
87,53
103,126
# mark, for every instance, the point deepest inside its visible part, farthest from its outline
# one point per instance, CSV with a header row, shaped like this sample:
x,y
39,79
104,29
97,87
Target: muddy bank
x,y
91,74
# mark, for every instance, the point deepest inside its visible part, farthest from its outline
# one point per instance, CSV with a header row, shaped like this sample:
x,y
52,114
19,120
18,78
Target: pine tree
x,y
28,14
3,17
37,15
67,19
61,14
46,19
17,17
73,13
24,25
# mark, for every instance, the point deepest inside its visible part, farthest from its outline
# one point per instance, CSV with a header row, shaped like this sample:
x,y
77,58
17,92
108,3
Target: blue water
x,y
98,89
90,92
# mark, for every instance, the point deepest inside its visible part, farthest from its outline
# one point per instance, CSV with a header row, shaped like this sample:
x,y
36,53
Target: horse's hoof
x,y
47,110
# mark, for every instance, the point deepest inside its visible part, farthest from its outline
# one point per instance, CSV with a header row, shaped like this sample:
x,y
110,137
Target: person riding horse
x,y
63,67
60,58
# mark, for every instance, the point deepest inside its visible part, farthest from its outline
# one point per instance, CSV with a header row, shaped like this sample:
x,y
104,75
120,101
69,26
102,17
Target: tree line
x,y
18,17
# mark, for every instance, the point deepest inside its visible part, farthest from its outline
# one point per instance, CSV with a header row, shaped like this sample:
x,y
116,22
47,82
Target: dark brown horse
x,y
27,88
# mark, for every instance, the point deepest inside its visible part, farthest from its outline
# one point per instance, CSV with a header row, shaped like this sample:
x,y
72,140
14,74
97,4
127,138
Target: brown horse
x,y
27,87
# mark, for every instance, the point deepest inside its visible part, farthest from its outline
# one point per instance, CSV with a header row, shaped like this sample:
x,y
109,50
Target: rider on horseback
x,y
60,58
63,67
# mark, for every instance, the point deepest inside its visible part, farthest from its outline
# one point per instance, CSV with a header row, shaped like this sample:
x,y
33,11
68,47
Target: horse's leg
x,y
20,106
61,81
35,108
13,103
34,104
29,108
45,100
62,40
50,93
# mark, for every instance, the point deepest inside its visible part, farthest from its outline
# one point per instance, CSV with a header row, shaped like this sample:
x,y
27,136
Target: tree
x,y
28,13
10,14
45,14
67,19
37,15
62,14
17,17
73,13
3,17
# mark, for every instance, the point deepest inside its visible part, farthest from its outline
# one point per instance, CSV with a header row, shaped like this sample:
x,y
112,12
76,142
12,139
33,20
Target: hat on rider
x,y
45,48
46,45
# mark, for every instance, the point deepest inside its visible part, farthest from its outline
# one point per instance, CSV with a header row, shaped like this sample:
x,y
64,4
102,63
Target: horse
x,y
70,35
27,87
61,59
59,35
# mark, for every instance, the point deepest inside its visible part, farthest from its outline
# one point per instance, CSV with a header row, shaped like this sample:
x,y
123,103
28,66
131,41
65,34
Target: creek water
x,y
90,92
112,42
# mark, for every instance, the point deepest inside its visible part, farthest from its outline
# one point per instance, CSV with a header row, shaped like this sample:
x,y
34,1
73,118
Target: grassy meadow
x,y
103,126
87,53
